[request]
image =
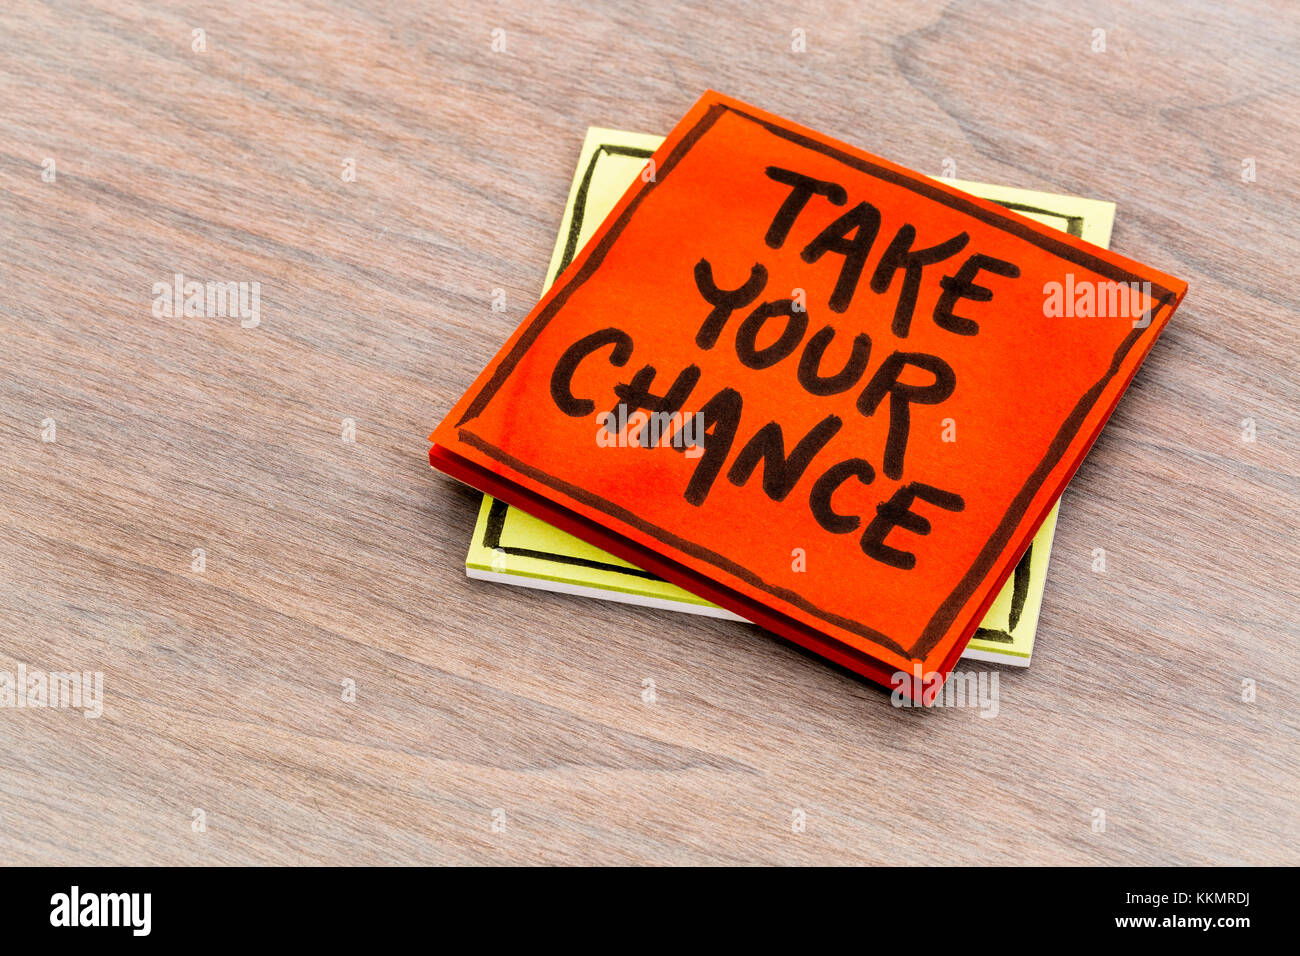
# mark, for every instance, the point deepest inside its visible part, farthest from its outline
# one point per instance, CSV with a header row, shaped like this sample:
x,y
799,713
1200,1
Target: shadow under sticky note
x,y
847,519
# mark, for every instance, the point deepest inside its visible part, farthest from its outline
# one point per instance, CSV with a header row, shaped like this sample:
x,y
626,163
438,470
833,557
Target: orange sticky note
x,y
820,390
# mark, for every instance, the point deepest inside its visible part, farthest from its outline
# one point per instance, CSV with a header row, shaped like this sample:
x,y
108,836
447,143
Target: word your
x,y
1097,300
67,689
214,300
971,689
618,429
102,909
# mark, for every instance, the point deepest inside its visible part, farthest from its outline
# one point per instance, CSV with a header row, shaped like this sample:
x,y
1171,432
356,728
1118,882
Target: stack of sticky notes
x,y
779,379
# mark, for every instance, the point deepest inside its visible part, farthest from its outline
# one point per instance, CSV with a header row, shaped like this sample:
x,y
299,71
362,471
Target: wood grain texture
x,y
328,560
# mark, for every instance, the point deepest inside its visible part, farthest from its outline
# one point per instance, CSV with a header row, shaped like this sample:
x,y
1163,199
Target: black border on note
x,y
951,606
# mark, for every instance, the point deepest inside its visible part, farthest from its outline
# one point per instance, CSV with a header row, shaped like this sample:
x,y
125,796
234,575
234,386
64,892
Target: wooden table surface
x,y
494,725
